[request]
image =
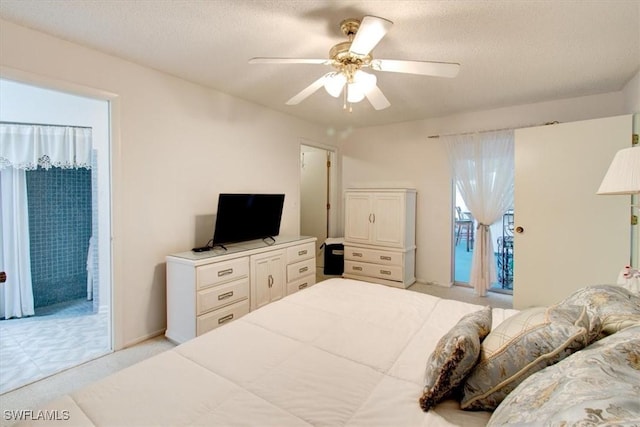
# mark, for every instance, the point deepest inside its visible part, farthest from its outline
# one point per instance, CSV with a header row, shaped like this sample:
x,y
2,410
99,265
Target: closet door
x,y
570,236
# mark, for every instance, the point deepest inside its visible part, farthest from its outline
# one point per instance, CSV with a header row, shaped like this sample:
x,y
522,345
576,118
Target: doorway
x,y
318,198
69,211
464,240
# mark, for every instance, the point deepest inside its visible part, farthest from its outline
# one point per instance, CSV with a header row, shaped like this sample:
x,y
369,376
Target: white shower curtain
x,y
16,295
27,147
483,167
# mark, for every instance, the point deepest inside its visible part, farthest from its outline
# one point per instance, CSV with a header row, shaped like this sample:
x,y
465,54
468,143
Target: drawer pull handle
x,y
357,268
304,285
303,269
225,295
385,258
225,319
387,272
300,253
356,254
225,272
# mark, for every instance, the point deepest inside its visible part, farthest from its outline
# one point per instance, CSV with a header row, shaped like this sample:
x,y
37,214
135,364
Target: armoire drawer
x,y
388,272
300,284
217,318
220,272
301,269
215,297
301,252
372,256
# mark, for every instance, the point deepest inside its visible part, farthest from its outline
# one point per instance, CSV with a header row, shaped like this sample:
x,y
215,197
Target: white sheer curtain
x,y
16,294
483,168
27,147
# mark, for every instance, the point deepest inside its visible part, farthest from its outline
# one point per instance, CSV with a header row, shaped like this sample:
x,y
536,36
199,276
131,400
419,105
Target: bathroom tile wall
x,y
60,228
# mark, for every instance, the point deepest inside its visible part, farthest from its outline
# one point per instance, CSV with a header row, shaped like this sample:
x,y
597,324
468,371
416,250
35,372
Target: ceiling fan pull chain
x,y
344,97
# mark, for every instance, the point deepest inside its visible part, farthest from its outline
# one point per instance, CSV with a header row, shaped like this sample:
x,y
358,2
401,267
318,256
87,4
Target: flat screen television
x,y
243,217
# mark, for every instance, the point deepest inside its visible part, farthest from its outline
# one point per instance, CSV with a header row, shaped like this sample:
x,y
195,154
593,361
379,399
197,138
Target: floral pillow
x,y
599,385
520,346
617,307
454,356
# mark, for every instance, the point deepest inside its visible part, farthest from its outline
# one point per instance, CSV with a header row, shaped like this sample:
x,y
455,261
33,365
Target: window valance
x,y
24,146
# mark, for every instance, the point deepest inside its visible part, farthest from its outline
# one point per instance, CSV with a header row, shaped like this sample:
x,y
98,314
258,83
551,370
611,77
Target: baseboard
x,y
442,285
143,338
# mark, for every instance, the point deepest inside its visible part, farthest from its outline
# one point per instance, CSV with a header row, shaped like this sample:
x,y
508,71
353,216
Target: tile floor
x,y
58,337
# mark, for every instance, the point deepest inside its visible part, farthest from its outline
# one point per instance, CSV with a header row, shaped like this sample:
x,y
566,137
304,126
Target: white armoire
x,y
379,239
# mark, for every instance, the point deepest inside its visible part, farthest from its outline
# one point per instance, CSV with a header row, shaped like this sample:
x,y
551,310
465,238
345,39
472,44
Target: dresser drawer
x,y
215,297
301,269
388,272
373,256
217,318
301,252
300,284
220,272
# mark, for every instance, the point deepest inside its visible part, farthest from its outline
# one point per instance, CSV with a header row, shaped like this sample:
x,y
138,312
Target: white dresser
x,y
208,289
380,236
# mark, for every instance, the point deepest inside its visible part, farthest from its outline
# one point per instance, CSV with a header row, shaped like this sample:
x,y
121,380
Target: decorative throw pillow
x,y
521,345
595,386
454,356
617,307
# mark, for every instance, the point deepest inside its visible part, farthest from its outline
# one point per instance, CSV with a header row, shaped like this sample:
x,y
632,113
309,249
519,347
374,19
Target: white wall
x,y
404,155
29,104
176,146
632,94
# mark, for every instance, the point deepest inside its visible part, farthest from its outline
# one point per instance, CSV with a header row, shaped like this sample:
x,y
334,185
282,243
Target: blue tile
x,y
60,226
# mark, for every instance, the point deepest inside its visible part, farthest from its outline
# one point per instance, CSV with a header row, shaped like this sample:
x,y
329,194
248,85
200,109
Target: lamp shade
x,y
623,176
334,83
361,84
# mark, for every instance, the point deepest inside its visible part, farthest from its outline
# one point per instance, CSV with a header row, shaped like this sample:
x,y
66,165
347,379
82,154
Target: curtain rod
x,y
44,124
555,122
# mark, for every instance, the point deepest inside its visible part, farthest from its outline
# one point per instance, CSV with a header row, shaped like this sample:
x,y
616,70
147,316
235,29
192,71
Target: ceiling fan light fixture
x,y
361,83
365,81
354,93
334,83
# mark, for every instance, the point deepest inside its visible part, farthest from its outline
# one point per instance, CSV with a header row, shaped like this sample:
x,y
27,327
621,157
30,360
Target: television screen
x,y
244,217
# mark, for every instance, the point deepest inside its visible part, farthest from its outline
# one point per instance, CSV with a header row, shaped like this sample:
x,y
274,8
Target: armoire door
x,y
570,237
358,217
388,219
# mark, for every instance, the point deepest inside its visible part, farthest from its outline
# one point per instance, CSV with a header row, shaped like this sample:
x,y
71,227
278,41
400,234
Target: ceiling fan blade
x,y
372,29
308,91
289,61
377,98
427,68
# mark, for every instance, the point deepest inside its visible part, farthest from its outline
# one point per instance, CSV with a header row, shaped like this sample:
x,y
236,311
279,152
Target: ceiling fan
x,y
350,57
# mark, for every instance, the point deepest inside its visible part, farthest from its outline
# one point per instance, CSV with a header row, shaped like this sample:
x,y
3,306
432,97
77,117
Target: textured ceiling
x,y
510,52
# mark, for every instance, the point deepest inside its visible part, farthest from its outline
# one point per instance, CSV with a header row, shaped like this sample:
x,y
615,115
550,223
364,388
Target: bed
x,y
341,353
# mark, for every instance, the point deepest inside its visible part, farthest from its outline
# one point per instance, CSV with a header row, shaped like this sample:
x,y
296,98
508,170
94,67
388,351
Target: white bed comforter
x,y
341,353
